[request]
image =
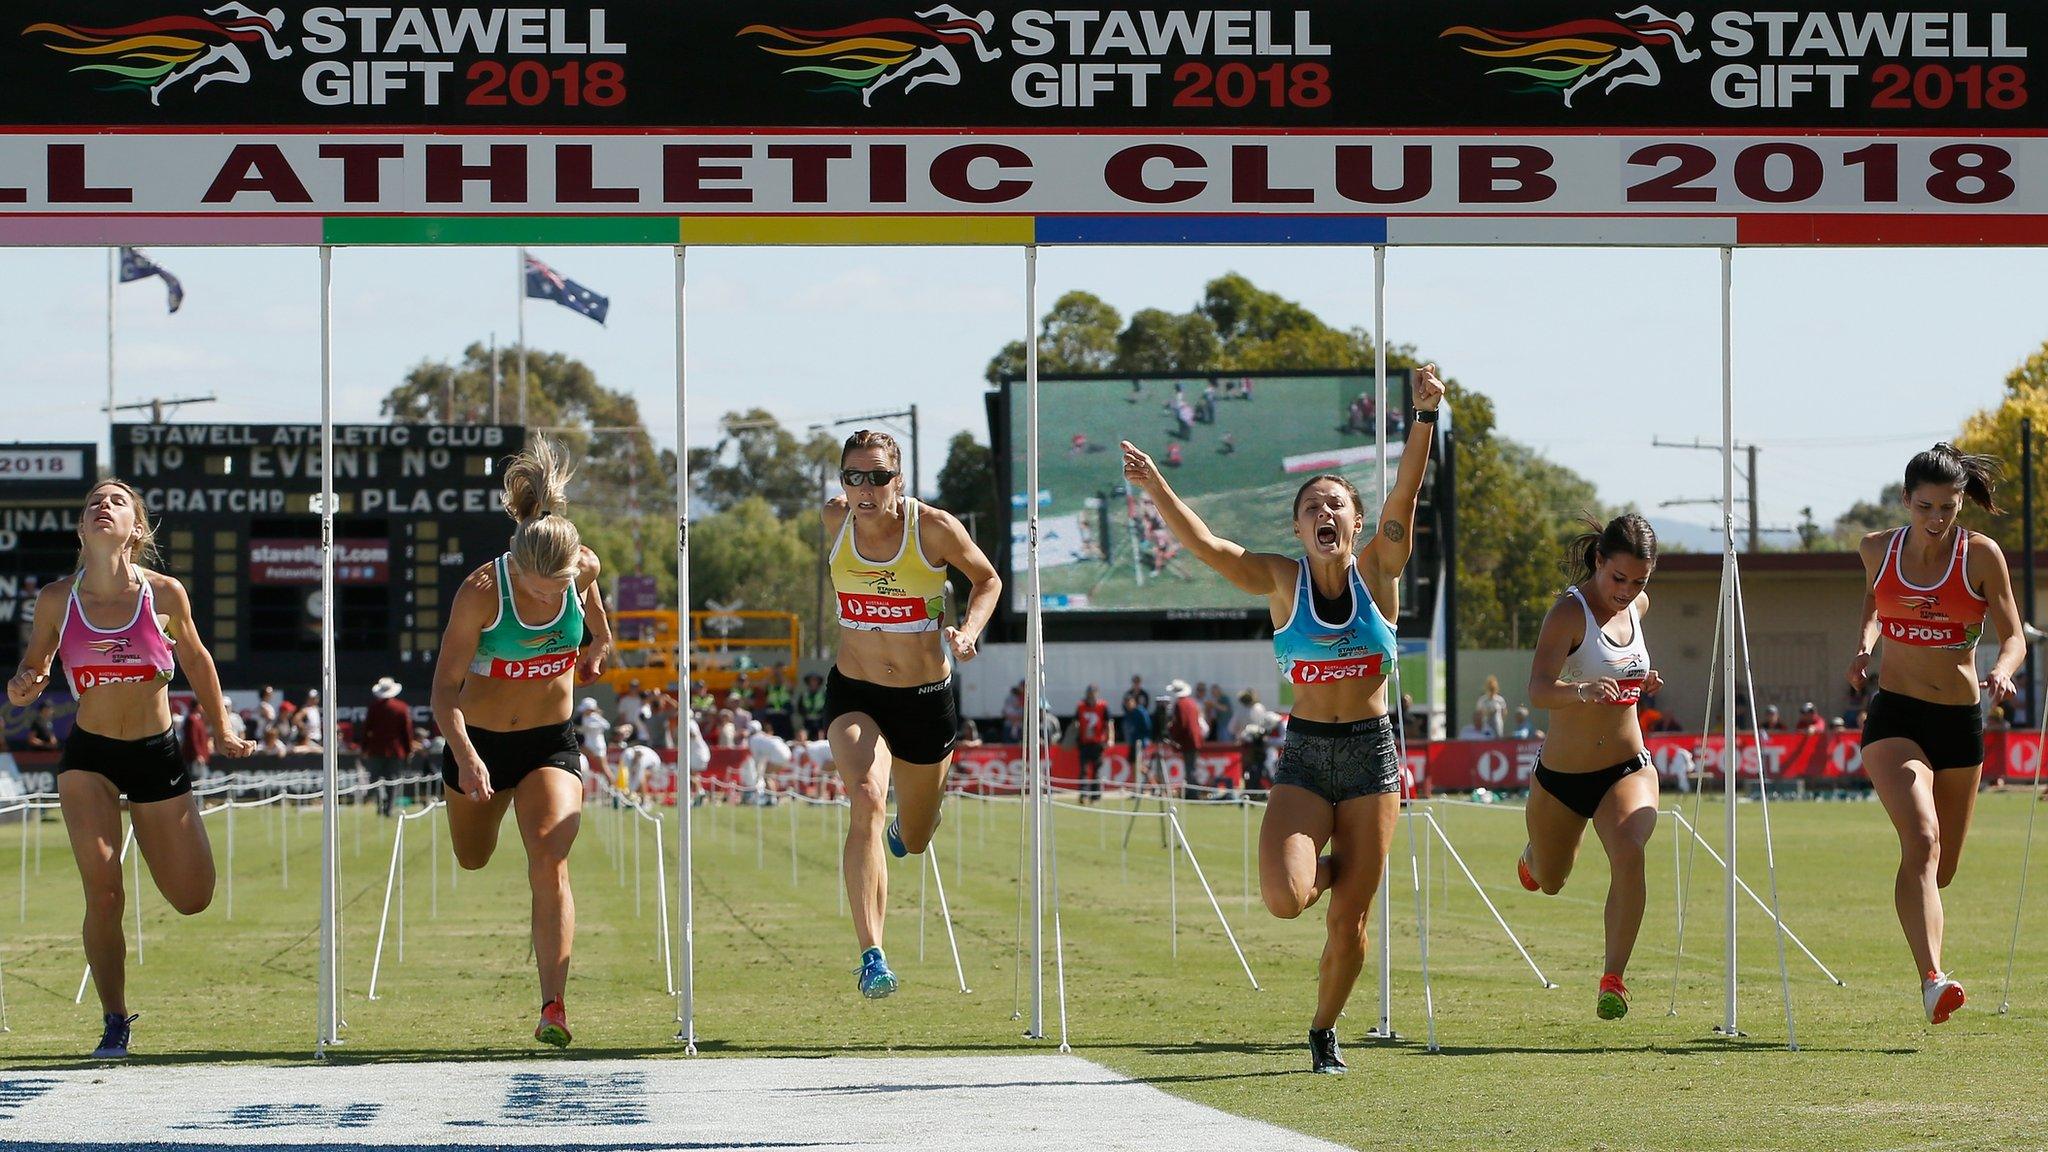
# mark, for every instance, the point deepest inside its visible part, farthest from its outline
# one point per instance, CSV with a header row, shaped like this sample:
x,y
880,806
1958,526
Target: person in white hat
x,y
1338,785
387,740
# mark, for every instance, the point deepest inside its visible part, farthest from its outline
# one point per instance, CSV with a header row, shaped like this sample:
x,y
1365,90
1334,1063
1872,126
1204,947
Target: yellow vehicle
x,y
724,645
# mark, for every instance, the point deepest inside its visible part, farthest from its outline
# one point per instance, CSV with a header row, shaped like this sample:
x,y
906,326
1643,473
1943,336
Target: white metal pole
x,y
1731,752
113,276
330,1007
522,356
686,1005
1033,706
1379,432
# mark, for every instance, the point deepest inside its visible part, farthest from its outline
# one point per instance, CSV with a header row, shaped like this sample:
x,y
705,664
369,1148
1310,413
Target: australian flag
x,y
544,283
136,266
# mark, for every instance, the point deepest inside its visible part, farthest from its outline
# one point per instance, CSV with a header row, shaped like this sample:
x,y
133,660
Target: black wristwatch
x,y
1426,416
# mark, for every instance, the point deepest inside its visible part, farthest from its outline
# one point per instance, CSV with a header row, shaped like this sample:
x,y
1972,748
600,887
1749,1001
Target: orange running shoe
x,y
1613,1004
1942,996
554,1025
1523,874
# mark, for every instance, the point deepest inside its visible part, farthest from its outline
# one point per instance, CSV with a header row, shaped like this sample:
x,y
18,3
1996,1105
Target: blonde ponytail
x,y
537,498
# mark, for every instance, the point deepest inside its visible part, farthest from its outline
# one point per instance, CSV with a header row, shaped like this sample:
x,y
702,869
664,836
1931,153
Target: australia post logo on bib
x,y
1332,671
862,608
1926,633
94,675
532,667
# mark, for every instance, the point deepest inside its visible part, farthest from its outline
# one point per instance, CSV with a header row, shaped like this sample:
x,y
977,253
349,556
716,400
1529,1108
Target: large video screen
x,y
1235,446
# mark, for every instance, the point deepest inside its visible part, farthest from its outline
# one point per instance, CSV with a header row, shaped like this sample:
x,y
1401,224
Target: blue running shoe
x,y
114,1040
897,847
876,981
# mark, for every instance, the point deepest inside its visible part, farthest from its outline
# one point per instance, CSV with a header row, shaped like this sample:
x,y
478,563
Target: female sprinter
x,y
1339,780
889,700
1591,667
1931,585
502,695
121,741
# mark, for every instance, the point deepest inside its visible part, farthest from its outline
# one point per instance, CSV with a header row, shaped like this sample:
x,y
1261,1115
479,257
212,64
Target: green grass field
x,y
1521,1067
1242,494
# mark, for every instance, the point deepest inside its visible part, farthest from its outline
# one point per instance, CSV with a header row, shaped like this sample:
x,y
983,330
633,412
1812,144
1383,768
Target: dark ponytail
x,y
1627,533
1945,466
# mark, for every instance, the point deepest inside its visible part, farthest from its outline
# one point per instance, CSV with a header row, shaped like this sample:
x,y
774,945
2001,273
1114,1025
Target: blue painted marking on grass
x,y
256,1116
1283,229
15,1093
546,1098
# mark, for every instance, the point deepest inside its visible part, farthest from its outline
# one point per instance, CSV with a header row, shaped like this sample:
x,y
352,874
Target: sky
x,y
1846,361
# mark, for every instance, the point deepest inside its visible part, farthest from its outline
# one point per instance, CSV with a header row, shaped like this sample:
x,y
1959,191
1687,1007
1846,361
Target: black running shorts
x,y
145,770
919,724
510,757
1949,735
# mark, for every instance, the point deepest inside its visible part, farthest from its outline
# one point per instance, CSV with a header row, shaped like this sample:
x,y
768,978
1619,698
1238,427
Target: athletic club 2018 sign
x,y
1440,121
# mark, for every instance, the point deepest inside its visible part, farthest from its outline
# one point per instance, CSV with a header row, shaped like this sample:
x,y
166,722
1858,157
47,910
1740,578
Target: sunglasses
x,y
855,477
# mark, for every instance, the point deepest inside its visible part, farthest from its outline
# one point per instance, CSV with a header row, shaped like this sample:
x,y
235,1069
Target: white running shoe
x,y
1942,996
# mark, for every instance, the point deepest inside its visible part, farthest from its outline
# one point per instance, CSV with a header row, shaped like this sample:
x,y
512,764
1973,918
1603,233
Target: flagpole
x,y
522,336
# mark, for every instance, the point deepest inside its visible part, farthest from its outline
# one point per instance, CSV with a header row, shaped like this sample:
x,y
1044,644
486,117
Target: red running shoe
x,y
1613,1004
554,1025
1522,873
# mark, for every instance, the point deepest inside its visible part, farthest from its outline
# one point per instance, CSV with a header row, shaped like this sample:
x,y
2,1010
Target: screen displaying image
x,y
1235,446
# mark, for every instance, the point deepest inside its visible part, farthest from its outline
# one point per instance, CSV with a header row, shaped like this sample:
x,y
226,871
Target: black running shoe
x,y
114,1040
1322,1048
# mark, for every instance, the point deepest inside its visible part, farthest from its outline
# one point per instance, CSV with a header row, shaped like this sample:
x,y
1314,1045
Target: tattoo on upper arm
x,y
1393,530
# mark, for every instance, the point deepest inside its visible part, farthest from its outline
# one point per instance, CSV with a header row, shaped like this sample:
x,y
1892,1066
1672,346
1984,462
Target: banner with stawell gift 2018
x,y
643,122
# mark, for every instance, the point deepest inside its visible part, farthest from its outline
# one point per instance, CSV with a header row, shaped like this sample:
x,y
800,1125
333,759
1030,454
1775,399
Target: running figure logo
x,y
1565,58
152,55
868,56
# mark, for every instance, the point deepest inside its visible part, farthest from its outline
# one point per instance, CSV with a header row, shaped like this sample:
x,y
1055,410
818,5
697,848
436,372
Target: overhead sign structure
x,y
1323,122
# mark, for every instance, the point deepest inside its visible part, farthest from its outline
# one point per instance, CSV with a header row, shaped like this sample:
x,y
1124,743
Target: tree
x,y
623,494
757,456
1162,341
1509,555
1078,335
1996,432
1867,516
618,470
967,489
752,554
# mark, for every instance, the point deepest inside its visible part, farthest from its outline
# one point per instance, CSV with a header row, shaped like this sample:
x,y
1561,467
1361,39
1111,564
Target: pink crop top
x,y
137,652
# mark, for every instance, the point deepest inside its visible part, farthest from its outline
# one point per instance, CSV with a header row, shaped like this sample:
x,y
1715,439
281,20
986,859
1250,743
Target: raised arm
x,y
950,544
1391,546
1251,572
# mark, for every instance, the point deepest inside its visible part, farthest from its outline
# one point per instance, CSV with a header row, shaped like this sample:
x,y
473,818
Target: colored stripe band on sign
x,y
500,230
158,231
884,230
1290,229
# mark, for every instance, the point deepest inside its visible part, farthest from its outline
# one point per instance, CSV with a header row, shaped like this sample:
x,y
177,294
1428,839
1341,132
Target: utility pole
x,y
1700,446
156,407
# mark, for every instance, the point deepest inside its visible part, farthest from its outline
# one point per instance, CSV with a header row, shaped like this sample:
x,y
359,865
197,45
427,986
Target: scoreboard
x,y
42,489
417,508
